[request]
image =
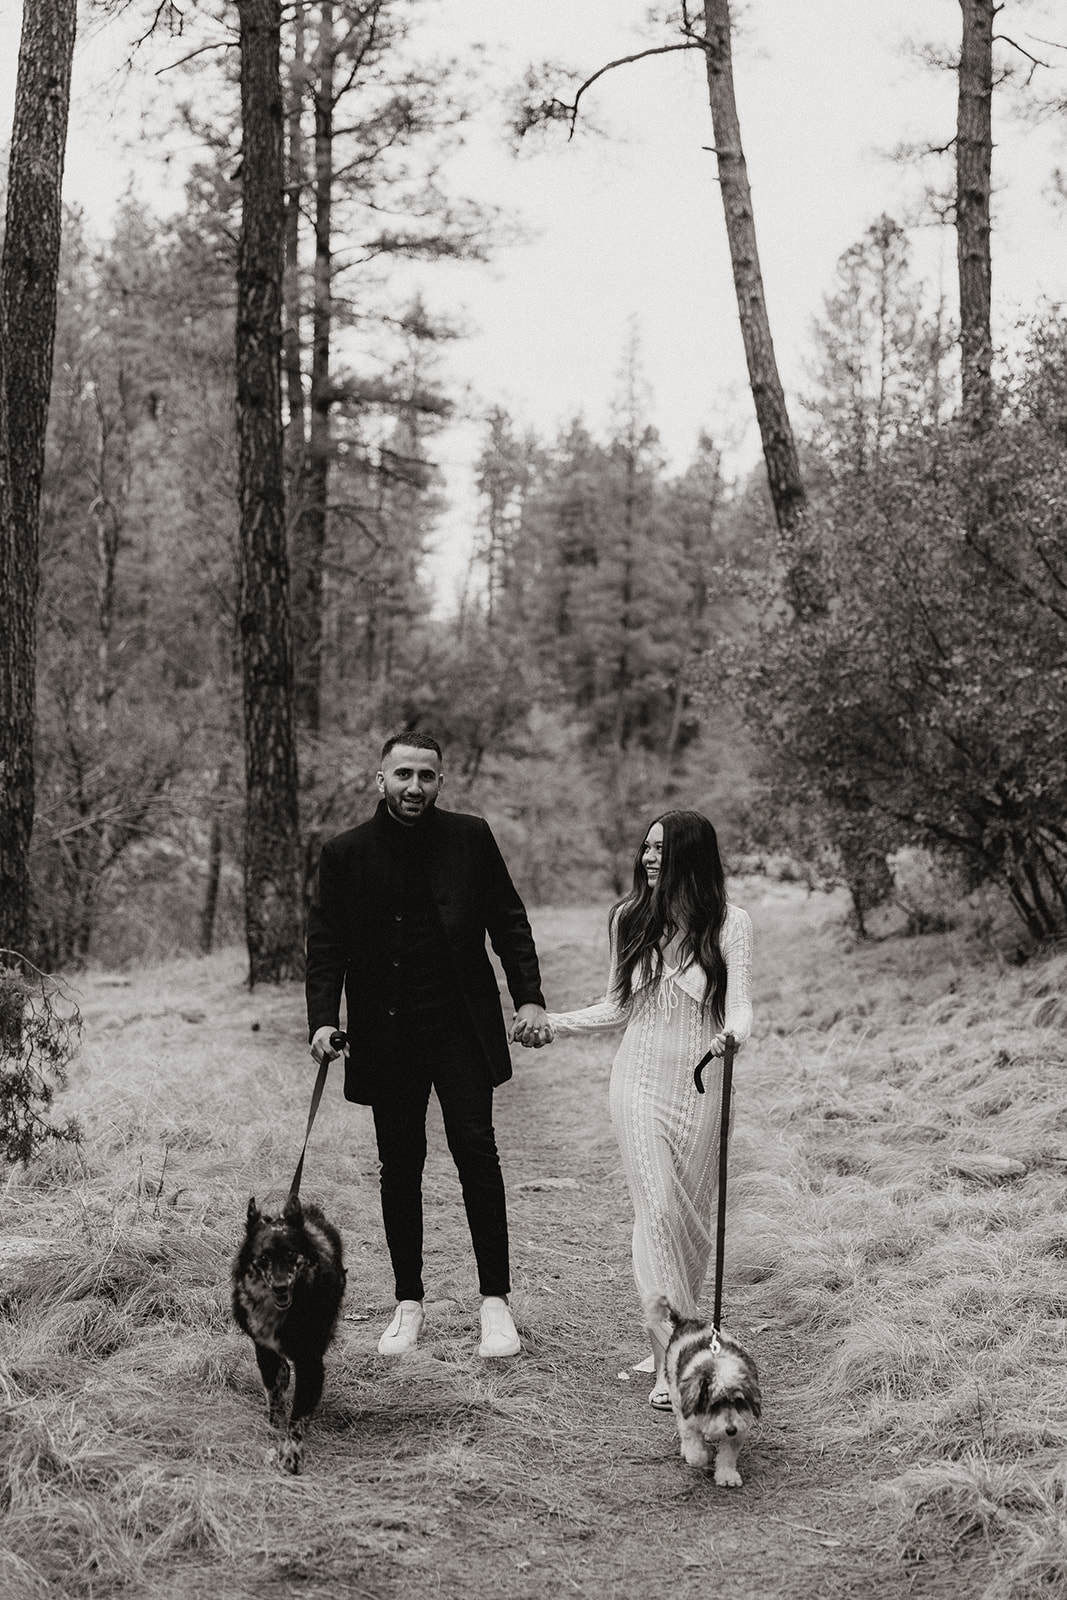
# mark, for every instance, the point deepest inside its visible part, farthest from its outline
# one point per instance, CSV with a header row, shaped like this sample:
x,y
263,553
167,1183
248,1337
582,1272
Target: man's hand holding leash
x,y
324,1046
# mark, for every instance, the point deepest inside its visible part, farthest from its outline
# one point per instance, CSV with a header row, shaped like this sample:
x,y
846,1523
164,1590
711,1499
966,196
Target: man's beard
x,y
409,817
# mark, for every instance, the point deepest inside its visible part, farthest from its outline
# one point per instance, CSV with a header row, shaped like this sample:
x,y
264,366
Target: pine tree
x,y
974,159
272,894
882,354
29,268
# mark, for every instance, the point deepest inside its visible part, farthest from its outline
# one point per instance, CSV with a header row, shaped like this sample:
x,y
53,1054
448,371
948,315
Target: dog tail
x,y
658,1310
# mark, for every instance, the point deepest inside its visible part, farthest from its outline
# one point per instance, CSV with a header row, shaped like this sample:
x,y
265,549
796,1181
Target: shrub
x,y
40,1028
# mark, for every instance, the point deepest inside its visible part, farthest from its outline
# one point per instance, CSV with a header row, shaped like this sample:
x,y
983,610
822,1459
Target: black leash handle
x,y
338,1041
730,1047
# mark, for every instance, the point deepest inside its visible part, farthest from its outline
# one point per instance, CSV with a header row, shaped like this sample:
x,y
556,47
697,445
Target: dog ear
x,y
750,1388
694,1394
253,1211
293,1211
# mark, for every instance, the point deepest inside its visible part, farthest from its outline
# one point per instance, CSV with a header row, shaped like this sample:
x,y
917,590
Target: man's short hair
x,y
415,741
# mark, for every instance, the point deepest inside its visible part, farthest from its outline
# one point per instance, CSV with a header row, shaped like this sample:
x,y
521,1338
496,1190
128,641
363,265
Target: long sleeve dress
x,y
669,1134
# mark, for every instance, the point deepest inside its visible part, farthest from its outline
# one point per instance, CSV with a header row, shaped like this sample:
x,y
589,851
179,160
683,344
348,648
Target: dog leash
x,y
724,1135
338,1040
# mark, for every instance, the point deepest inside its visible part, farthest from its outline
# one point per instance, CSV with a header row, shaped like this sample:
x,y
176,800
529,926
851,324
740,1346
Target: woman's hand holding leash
x,y
724,1044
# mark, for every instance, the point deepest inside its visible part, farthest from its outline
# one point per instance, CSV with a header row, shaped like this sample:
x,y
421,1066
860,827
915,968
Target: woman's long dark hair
x,y
689,898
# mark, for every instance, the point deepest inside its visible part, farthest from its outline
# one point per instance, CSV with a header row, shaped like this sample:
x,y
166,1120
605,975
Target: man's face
x,y
410,781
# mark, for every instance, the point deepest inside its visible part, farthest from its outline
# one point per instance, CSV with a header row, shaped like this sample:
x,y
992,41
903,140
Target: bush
x,y
40,1028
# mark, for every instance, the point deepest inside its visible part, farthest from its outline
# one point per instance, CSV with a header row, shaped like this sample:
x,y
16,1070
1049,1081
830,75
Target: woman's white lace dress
x,y
668,1133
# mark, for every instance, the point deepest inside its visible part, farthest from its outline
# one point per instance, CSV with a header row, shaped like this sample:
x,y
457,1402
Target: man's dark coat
x,y
355,934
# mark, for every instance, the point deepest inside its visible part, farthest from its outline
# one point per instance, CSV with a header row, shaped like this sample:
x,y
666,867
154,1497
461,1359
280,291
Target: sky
x,y
625,233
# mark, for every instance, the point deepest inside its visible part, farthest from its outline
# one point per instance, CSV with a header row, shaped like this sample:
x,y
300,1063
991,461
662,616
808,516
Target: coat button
x,y
392,1011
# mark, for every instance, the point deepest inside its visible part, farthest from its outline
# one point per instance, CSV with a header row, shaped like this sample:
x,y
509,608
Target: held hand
x,y
531,1027
321,1046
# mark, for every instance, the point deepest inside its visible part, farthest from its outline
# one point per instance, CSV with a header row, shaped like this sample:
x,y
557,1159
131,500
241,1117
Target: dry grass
x,y
921,1120
896,1258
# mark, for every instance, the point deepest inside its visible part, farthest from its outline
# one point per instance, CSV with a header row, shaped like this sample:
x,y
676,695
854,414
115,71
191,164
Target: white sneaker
x,y
402,1334
499,1337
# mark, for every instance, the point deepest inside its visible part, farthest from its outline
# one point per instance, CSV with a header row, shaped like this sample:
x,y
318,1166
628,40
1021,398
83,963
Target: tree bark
x,y
310,527
271,869
974,161
28,277
18,605
214,863
295,432
776,434
110,478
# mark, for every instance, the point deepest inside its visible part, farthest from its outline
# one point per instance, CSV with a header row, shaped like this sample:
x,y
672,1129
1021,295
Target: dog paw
x,y
728,1477
290,1457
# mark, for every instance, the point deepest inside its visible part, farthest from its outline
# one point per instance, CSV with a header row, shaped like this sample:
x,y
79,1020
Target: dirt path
x,y
560,1480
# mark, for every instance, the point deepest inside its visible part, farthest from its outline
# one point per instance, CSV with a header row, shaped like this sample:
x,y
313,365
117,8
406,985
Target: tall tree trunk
x,y
111,482
295,432
271,872
18,589
776,434
304,598
28,275
974,161
310,527
214,862
623,672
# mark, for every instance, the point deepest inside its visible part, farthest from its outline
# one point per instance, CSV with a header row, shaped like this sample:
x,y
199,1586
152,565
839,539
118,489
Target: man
x,y
398,921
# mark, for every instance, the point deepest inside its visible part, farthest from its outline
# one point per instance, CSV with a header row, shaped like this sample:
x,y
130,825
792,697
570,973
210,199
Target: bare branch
x,y
911,150
1053,44
164,12
1004,38
204,49
1035,61
555,110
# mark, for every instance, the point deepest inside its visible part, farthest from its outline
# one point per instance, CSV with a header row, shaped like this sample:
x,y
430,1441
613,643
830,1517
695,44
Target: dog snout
x,y
731,1429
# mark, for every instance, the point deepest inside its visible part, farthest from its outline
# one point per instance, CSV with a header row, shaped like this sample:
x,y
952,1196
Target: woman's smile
x,y
652,852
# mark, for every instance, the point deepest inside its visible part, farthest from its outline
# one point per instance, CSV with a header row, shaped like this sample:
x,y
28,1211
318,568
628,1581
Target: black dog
x,y
288,1281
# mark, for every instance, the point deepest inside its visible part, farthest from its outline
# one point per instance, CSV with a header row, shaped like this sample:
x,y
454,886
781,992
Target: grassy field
x,y
897,1261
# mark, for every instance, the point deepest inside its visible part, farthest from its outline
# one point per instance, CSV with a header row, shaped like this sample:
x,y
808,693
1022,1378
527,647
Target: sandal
x,y
660,1398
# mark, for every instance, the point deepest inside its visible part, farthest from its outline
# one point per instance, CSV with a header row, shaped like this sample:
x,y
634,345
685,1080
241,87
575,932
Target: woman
x,y
681,959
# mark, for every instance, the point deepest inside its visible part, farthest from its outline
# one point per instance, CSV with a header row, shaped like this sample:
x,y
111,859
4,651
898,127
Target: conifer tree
x,y
29,269
273,922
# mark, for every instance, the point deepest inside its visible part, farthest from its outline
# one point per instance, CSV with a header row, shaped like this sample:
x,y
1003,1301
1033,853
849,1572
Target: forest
x,y
217,610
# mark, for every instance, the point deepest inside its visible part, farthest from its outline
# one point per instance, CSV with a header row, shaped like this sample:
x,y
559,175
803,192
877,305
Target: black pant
x,y
451,1062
